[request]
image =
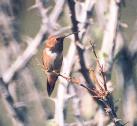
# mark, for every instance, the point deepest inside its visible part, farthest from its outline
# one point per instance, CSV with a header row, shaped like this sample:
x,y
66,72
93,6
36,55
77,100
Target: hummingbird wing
x,y
58,63
52,62
52,77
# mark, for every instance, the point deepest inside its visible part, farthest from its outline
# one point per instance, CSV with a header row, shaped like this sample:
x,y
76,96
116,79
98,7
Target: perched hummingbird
x,y
52,59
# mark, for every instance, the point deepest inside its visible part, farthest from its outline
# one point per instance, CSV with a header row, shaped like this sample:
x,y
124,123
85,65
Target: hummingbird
x,y
52,58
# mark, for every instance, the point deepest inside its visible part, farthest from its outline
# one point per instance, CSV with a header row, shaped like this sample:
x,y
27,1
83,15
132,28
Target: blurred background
x,y
23,91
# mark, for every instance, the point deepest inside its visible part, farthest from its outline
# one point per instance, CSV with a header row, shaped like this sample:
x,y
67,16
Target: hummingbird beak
x,y
69,34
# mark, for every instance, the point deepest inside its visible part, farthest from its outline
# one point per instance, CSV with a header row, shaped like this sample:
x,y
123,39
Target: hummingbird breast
x,y
52,60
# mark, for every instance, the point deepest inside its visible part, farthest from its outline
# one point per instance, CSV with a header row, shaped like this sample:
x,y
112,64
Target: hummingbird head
x,y
55,43
51,42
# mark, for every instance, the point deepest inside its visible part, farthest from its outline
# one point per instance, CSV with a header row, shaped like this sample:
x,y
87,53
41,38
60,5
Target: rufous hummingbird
x,y
52,59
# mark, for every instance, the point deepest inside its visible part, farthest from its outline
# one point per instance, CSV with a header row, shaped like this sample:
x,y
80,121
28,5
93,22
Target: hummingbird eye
x,y
60,39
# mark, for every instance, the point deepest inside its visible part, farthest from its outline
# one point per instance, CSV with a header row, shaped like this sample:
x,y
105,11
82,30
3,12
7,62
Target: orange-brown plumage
x,y
52,60
52,40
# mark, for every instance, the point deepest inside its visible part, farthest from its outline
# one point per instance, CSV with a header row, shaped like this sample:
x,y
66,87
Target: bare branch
x,y
31,50
74,21
66,68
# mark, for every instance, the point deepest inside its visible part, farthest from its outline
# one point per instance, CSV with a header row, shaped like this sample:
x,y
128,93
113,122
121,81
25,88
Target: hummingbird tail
x,y
51,80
